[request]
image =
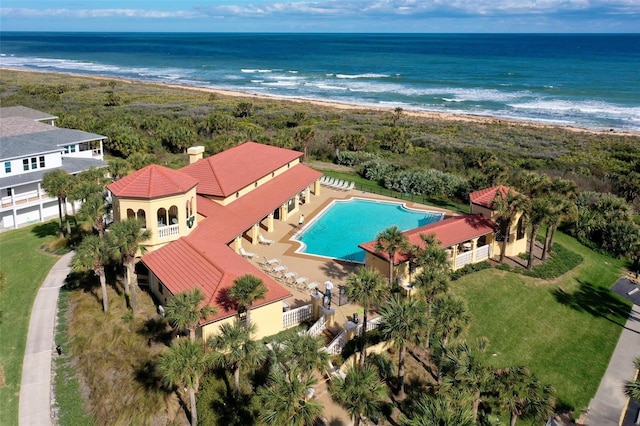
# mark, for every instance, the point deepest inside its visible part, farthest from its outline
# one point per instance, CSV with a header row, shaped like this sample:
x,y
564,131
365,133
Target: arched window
x,y
521,228
142,217
186,209
191,202
131,214
173,215
162,217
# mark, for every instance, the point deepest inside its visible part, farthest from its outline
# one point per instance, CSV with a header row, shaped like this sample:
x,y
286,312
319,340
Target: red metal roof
x,y
229,171
485,197
451,231
224,223
152,181
184,264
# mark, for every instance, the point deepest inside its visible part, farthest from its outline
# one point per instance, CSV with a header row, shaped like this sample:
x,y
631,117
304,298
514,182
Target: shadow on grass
x,y
233,410
597,301
156,330
46,230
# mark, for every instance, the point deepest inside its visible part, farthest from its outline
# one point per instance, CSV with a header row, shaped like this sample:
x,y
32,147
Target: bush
x,y
559,262
348,158
469,269
504,267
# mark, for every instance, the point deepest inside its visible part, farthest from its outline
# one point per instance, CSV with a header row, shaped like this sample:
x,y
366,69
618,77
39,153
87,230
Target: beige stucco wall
x,y
151,207
514,246
267,319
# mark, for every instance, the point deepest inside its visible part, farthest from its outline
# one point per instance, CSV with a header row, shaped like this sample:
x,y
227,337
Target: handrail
x,y
318,327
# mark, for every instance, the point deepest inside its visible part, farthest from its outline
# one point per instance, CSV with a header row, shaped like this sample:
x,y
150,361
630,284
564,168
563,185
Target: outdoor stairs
x,y
328,334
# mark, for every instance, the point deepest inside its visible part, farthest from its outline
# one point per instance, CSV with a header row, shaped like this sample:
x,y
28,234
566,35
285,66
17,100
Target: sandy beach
x,y
427,115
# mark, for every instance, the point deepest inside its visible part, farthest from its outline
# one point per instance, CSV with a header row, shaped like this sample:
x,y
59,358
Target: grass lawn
x,y
564,330
26,267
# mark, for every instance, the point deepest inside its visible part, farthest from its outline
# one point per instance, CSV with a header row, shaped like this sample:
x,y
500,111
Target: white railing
x,y
167,231
371,325
337,344
317,328
463,259
483,252
296,316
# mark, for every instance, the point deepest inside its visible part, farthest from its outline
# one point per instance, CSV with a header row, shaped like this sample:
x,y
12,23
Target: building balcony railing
x,y
23,199
168,231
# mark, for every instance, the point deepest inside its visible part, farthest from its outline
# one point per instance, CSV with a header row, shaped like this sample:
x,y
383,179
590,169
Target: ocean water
x,y
590,81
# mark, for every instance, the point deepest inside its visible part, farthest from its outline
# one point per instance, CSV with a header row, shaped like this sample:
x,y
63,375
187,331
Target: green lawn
x,y
26,267
565,329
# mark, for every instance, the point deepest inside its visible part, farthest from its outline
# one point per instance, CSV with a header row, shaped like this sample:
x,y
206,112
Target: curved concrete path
x,y
35,387
608,405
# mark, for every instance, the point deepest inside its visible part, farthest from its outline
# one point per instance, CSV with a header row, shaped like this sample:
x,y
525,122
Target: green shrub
x,y
469,269
560,261
504,267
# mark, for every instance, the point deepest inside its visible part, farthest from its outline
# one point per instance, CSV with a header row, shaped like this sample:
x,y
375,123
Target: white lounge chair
x,y
301,282
351,186
268,263
289,277
313,285
247,254
279,270
263,240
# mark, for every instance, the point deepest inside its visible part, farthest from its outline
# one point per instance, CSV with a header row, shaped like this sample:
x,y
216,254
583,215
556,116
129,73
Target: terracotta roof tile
x,y
449,232
484,197
229,171
152,181
213,267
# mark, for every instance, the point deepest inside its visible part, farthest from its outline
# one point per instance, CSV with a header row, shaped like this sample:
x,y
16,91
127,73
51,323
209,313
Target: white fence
x,y
167,231
317,328
337,344
463,259
483,252
296,316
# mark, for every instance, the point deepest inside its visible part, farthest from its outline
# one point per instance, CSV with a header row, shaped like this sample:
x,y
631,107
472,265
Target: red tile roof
x,y
485,197
152,181
229,171
225,223
213,267
449,232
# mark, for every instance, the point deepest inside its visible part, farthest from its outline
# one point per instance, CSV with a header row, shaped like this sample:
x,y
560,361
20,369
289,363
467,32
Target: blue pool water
x,y
338,230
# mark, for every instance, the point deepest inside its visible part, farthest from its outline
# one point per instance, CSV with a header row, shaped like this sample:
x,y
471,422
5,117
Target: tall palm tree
x,y
438,410
184,311
183,365
361,393
450,316
522,394
539,210
245,291
304,136
392,241
461,369
563,193
365,287
118,168
237,349
304,354
403,322
285,400
129,237
93,254
93,211
506,207
57,183
632,388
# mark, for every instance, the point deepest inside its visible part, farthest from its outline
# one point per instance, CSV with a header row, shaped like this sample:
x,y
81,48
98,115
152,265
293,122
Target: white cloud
x,y
96,13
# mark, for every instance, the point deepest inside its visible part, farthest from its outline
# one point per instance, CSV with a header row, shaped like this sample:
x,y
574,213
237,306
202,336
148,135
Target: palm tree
x,y
361,393
56,183
539,209
392,241
304,353
438,410
461,369
632,388
184,311
523,394
93,254
118,168
183,365
450,316
563,193
365,287
238,349
129,237
285,400
403,322
93,211
304,136
245,291
506,208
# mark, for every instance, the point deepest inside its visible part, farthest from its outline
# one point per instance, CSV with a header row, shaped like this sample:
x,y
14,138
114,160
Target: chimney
x,y
195,153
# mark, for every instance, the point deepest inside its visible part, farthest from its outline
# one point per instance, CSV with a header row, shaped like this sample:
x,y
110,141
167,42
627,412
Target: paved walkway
x,y
35,388
607,407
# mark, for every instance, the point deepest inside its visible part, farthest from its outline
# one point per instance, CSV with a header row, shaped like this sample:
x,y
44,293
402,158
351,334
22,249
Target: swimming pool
x,y
343,224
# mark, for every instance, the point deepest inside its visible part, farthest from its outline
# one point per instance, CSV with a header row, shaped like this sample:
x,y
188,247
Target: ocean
x,y
589,81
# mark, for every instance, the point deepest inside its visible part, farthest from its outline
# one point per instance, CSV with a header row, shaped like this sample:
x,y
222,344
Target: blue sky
x,y
426,16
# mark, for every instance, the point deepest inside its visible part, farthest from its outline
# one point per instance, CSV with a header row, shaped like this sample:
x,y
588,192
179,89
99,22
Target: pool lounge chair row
x,y
342,185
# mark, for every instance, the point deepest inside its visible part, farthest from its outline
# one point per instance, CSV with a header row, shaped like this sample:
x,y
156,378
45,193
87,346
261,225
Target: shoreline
x,y
428,115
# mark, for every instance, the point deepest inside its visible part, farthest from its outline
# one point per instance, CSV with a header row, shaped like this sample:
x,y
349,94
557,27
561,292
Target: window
x,y
7,166
9,192
25,165
41,162
34,163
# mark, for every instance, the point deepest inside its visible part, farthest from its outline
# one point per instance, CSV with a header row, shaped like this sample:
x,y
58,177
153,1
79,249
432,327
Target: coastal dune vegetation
x,y
525,315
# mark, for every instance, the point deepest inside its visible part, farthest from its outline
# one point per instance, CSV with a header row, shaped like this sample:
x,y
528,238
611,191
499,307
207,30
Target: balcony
x,y
168,231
